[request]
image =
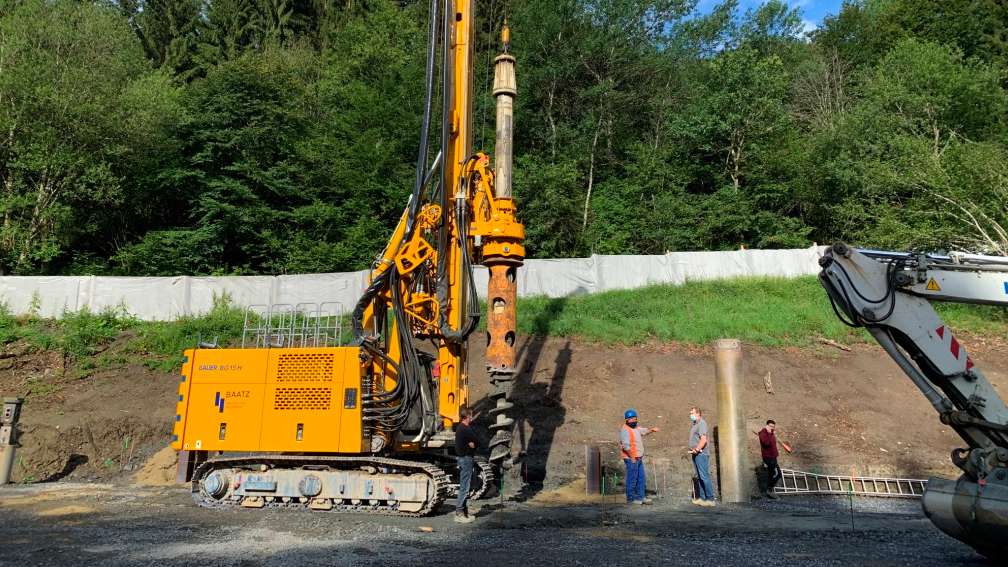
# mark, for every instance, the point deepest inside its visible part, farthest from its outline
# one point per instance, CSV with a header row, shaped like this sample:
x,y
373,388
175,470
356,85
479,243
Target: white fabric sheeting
x,y
240,290
159,299
344,289
53,295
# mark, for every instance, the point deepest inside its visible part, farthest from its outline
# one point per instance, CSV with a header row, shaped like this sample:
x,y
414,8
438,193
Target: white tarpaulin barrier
x,y
158,299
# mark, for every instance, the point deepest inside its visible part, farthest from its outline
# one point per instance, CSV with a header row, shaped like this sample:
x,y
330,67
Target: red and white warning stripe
x,y
954,347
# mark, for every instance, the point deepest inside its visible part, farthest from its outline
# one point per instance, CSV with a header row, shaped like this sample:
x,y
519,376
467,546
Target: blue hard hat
x,y
629,413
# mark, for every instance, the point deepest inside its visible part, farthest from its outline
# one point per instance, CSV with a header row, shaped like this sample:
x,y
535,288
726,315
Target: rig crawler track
x,y
486,479
269,492
263,470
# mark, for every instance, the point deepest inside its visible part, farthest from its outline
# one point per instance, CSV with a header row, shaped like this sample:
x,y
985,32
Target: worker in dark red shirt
x,y
768,449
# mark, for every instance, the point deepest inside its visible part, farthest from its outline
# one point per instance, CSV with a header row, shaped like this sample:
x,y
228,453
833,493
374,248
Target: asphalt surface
x,y
67,524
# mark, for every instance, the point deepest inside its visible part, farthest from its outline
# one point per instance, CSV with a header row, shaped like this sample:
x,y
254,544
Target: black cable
x,y
890,293
858,292
470,315
379,283
841,317
421,164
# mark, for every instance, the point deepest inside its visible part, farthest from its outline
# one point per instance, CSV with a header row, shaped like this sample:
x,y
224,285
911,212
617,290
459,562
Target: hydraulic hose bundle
x,y
410,404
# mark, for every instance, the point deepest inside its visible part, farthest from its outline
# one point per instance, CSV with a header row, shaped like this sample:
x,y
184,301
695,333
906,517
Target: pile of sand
x,y
571,493
159,470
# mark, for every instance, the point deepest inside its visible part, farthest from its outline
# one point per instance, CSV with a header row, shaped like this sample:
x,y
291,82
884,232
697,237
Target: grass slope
x,y
769,312
765,311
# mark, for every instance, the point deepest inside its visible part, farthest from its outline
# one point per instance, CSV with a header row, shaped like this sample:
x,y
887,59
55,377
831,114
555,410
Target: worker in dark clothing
x,y
466,444
768,449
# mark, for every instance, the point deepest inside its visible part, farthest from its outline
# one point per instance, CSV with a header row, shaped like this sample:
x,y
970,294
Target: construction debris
x,y
833,343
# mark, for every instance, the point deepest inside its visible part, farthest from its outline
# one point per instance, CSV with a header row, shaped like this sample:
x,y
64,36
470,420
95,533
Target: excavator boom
x,y
890,294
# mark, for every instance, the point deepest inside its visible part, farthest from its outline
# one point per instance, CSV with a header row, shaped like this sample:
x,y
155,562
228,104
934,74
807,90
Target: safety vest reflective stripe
x,y
634,453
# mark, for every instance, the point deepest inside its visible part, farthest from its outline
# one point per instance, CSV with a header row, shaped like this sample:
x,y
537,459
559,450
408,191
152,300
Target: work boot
x,y
708,503
771,494
697,502
634,502
647,501
463,517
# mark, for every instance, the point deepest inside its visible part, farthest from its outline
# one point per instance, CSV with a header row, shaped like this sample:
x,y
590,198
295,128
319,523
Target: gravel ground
x,y
76,524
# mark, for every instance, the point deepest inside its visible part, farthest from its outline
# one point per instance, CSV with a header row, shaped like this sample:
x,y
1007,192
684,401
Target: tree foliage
x,y
159,137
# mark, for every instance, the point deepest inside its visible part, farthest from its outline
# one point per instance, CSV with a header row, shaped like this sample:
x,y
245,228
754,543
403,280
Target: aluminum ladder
x,y
801,482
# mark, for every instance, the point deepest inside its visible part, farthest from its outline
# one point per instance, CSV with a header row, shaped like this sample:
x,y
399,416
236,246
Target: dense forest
x,y
161,137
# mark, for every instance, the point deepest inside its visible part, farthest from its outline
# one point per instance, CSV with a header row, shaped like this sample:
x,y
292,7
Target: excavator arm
x,y
889,294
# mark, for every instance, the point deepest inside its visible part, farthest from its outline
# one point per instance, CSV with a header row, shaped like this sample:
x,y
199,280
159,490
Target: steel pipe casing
x,y
505,90
733,462
6,463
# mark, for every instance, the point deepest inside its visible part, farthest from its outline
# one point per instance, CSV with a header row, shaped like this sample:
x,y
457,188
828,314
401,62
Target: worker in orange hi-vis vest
x,y
632,450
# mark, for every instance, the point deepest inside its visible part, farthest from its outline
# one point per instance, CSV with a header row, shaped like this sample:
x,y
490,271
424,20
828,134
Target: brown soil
x,y
97,427
839,410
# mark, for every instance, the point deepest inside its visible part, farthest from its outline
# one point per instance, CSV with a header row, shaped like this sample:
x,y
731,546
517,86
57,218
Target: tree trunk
x,y
549,118
734,159
591,174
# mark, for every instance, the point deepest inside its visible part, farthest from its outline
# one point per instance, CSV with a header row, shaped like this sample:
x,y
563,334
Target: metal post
x,y
732,454
593,469
8,436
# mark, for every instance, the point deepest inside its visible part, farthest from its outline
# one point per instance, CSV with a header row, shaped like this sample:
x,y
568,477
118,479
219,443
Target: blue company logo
x,y
1006,288
219,402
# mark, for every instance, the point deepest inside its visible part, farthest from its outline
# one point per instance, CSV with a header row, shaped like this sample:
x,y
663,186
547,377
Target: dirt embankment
x,y
101,426
840,410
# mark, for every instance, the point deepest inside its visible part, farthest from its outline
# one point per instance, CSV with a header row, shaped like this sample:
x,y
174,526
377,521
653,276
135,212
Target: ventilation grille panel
x,y
302,399
305,367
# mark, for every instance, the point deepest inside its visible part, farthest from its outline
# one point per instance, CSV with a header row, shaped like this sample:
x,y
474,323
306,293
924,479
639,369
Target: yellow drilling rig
x,y
296,419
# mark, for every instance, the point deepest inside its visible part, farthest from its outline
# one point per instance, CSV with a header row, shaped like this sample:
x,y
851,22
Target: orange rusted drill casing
x,y
270,400
502,317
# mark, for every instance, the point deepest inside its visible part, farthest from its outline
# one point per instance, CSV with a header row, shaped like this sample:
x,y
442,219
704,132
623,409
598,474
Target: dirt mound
x,y
159,470
93,449
98,426
571,493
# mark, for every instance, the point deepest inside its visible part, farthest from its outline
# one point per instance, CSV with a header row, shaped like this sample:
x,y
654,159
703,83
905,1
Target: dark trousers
x,y
635,482
773,472
465,466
